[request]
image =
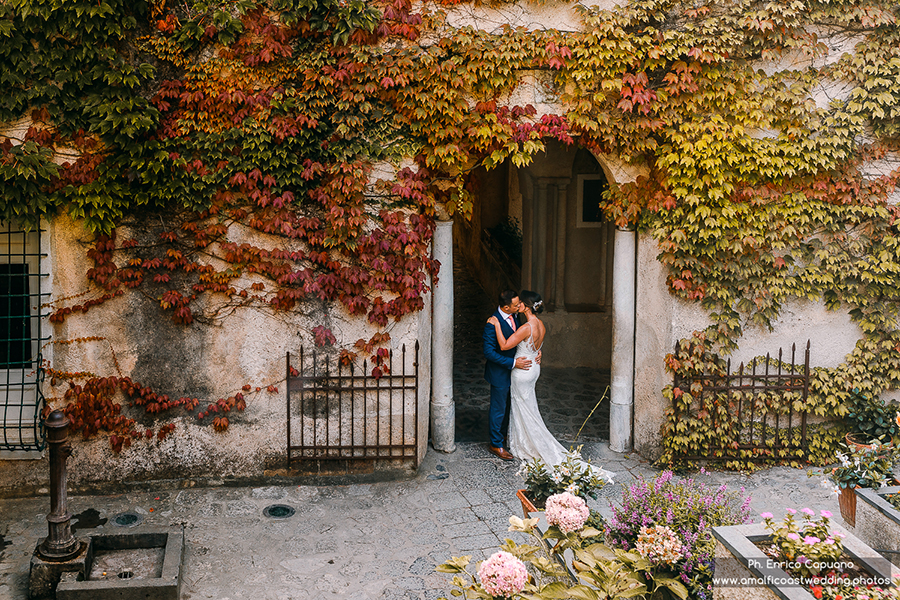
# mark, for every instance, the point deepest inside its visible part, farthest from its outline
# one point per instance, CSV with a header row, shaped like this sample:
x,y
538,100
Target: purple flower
x,y
793,536
766,515
811,539
825,513
808,511
791,511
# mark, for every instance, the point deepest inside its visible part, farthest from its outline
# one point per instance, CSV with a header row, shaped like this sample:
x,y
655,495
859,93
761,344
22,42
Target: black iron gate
x,y
339,412
762,407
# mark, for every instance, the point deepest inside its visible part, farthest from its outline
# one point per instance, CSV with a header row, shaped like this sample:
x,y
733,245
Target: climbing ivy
x,y
273,153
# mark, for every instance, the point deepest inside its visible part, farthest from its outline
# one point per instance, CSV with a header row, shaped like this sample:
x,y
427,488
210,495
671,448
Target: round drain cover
x,y
127,519
278,511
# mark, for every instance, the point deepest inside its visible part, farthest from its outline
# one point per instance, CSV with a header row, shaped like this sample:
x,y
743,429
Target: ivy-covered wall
x,y
285,154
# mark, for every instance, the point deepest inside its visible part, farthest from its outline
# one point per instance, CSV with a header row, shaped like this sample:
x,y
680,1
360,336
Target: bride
x,y
528,436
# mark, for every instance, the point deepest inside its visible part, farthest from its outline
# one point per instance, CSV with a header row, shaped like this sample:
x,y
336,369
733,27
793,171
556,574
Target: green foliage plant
x,y
865,467
872,419
573,475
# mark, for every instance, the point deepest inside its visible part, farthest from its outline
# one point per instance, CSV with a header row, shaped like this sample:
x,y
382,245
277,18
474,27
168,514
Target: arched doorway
x,y
539,227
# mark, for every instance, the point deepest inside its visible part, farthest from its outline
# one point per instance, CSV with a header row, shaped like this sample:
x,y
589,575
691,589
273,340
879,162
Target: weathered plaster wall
x,y
661,320
527,14
832,335
207,361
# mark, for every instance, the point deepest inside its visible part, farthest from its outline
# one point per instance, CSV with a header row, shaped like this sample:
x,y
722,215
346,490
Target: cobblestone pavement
x,y
359,542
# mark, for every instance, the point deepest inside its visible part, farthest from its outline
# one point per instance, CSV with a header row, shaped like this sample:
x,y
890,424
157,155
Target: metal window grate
x,y
21,400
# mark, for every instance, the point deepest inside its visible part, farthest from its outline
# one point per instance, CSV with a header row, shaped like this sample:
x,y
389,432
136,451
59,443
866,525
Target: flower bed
x,y
592,569
744,571
687,507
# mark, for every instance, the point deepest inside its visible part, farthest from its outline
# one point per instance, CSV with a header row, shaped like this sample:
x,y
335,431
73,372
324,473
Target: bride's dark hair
x,y
532,300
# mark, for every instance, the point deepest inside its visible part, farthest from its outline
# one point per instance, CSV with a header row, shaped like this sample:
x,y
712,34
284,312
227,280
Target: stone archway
x,y
567,255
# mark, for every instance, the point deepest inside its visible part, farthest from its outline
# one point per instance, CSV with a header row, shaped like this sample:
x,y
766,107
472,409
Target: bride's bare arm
x,y
517,336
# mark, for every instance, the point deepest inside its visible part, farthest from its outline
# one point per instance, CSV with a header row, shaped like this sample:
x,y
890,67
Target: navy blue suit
x,y
497,369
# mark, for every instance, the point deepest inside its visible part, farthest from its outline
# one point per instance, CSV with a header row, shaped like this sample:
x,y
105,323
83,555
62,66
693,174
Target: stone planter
x,y
878,522
743,572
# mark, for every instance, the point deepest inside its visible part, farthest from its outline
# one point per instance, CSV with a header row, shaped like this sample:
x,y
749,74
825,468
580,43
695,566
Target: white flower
x,y
577,455
845,461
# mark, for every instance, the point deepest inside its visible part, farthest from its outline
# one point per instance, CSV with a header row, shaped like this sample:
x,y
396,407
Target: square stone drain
x,y
128,566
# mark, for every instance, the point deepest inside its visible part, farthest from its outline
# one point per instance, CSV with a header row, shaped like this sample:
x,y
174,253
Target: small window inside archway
x,y
590,194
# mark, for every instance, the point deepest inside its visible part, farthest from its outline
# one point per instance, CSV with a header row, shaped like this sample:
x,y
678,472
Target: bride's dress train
x,y
528,436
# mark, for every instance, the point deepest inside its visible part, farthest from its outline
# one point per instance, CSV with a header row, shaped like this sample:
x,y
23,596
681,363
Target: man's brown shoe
x,y
501,453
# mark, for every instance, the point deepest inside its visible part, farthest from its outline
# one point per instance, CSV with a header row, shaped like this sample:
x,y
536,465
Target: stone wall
x,y
206,360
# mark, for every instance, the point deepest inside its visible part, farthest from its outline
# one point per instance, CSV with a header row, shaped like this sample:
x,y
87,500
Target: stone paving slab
x,y
369,541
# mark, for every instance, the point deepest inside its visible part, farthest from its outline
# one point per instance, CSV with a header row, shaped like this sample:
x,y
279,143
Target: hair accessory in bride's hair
x,y
538,304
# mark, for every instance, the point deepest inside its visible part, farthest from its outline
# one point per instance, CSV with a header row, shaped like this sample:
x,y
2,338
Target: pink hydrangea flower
x,y
825,513
566,511
793,536
766,515
811,539
791,511
503,575
808,511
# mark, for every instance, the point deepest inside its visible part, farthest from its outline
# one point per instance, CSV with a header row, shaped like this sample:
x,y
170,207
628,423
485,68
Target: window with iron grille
x,y
21,401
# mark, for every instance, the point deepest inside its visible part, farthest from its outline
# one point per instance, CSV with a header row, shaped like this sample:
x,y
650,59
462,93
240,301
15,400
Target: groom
x,y
497,369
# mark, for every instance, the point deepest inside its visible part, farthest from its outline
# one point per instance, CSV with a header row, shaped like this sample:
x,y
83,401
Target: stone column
x,y
539,278
559,274
443,410
622,373
528,201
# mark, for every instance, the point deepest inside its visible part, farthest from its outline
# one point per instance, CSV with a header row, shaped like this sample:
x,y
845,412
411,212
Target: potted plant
x,y
873,422
573,475
865,467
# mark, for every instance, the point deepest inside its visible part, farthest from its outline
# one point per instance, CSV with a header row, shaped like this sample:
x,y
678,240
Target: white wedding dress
x,y
528,436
